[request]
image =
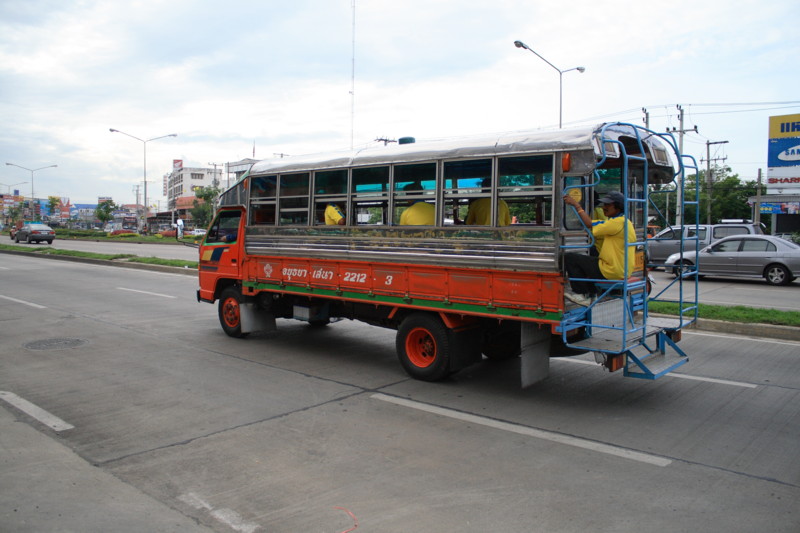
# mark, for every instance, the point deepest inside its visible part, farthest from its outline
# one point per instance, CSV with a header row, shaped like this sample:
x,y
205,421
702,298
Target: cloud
x,y
279,75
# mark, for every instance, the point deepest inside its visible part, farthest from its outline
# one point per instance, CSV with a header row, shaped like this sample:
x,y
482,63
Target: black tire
x,y
681,266
503,342
230,317
777,275
423,347
50,241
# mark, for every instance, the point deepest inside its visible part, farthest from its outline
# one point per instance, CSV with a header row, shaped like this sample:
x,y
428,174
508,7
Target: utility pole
x,y
709,179
757,214
679,192
214,180
136,190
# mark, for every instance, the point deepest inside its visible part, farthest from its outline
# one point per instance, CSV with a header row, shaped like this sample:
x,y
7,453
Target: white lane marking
x,y
527,431
714,380
676,375
733,335
4,268
23,302
147,292
229,517
48,419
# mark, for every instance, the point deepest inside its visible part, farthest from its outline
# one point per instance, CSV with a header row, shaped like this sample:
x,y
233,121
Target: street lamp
x,y
520,44
144,143
8,191
31,170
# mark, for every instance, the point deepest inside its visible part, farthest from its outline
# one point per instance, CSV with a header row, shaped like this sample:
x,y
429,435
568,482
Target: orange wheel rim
x,y
421,348
230,312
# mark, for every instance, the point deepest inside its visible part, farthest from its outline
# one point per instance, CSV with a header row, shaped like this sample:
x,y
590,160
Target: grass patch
x,y
734,313
104,257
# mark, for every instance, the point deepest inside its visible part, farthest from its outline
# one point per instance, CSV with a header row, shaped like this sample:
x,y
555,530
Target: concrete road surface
x,y
146,417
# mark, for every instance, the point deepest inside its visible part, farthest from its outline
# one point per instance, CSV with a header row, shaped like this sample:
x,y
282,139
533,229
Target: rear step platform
x,y
649,351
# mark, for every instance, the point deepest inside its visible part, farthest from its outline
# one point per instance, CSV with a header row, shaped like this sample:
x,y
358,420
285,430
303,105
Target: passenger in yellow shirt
x,y
334,215
611,262
420,213
480,212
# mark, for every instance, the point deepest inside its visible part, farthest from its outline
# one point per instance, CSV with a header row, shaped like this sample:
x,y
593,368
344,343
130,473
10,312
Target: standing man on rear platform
x,y
610,264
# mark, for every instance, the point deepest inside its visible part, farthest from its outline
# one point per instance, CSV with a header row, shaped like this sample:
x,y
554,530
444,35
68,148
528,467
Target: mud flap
x,y
535,365
255,319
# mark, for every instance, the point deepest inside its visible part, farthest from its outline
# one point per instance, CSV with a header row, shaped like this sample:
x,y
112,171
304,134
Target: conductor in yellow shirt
x,y
610,264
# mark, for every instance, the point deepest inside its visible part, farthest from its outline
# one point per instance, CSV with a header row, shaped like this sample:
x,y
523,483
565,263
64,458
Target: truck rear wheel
x,y
423,347
230,317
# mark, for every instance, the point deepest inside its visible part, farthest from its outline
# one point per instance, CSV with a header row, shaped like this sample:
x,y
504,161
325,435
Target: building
x,y
182,182
779,208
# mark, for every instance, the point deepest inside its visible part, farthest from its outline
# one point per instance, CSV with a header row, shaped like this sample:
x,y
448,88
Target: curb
x,y
770,331
106,262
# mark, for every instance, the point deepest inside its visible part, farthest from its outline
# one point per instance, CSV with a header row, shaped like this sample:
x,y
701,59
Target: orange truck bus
x,y
456,244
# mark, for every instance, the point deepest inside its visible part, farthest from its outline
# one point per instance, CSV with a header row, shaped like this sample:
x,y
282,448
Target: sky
x,y
241,77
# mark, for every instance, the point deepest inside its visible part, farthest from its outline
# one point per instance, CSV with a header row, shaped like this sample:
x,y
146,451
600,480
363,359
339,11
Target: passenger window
x,y
415,184
526,186
293,199
330,195
468,192
370,194
263,190
263,187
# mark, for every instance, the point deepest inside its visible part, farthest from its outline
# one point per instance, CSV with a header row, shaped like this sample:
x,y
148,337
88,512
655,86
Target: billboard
x,y
783,173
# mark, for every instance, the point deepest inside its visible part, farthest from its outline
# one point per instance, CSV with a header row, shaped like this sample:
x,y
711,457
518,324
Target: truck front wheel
x,y
230,317
423,347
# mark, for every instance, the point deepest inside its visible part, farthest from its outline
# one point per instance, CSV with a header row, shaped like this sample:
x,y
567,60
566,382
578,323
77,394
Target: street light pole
x,y
8,191
520,44
144,143
31,170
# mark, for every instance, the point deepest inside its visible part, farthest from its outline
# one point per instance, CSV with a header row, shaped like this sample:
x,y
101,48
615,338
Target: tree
x,y
53,203
728,198
14,214
105,211
203,210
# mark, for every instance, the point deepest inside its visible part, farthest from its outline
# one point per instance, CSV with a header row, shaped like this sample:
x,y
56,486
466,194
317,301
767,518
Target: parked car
x,y
198,232
35,233
752,256
667,241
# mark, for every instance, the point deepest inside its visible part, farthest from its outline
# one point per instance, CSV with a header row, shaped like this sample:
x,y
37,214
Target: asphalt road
x,y
153,420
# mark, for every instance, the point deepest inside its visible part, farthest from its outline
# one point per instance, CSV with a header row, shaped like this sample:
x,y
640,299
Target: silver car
x,y
753,256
